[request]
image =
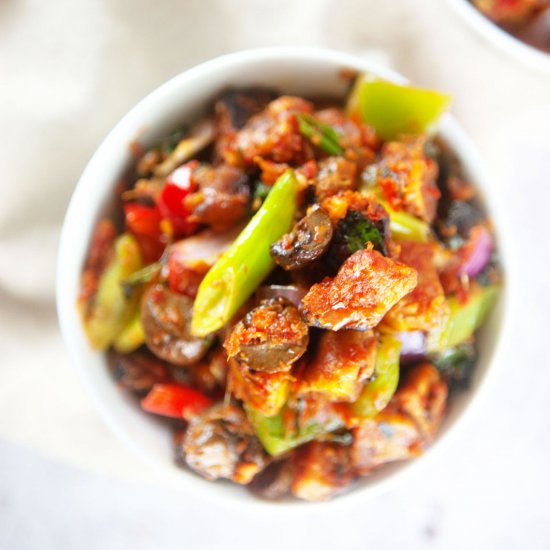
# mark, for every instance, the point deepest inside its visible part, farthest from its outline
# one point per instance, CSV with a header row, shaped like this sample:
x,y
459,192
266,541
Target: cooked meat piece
x,y
308,241
510,12
236,106
222,197
137,371
422,395
335,174
342,362
406,426
270,338
264,391
390,436
360,137
200,136
149,161
425,307
220,443
166,319
407,178
274,481
364,289
209,375
99,256
321,470
457,218
272,134
536,30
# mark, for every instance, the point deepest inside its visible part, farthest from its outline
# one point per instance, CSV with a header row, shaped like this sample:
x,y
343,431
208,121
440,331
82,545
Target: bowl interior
x,y
183,100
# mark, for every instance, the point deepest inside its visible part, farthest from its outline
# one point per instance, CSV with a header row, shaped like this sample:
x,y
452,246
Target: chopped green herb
x,y
322,135
359,230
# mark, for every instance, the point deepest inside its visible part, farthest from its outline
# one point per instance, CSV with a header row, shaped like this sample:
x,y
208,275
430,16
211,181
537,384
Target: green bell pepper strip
x,y
271,432
112,307
393,109
465,319
131,337
377,394
237,274
405,226
322,135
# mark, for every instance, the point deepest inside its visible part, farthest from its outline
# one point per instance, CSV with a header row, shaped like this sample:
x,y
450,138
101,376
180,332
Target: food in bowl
x,y
527,20
295,285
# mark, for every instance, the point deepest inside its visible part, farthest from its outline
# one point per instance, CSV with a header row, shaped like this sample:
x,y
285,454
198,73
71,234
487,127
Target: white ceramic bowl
x,y
507,42
186,97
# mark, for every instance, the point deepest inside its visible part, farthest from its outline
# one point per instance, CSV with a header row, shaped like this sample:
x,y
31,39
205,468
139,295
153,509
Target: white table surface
x,y
69,69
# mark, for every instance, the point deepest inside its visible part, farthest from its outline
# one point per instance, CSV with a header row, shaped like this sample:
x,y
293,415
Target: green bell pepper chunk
x,y
393,109
465,319
112,307
377,394
237,274
131,337
271,432
405,226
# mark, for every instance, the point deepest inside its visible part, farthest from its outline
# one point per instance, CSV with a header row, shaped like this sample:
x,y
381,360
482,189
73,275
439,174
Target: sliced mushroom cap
x,y
270,338
166,318
308,241
273,482
137,371
220,443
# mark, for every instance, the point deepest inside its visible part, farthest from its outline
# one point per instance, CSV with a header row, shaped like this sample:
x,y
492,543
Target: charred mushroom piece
x,y
270,338
236,106
220,443
222,197
166,318
308,241
274,482
137,371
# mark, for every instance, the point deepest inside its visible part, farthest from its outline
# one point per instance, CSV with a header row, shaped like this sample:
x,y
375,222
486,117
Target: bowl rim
x,y
67,311
508,43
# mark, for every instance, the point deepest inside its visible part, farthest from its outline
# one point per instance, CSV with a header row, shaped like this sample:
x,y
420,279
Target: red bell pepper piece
x,y
144,223
171,206
175,401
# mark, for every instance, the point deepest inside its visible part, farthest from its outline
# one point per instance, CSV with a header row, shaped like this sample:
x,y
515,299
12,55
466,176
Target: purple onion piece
x,y
477,252
413,346
293,294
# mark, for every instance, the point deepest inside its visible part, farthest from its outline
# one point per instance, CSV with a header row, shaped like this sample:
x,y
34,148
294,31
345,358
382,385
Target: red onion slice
x,y
476,253
413,346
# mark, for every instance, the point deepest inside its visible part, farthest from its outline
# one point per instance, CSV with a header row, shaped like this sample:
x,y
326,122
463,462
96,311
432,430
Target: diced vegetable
x,y
394,109
457,364
358,230
112,308
377,394
465,318
131,337
178,185
175,401
248,261
406,227
275,437
322,135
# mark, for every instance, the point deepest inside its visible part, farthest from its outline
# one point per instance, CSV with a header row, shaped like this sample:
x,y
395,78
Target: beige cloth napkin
x,y
69,69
